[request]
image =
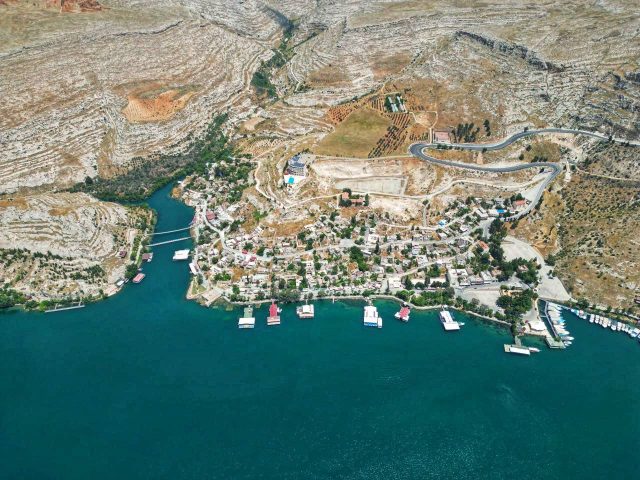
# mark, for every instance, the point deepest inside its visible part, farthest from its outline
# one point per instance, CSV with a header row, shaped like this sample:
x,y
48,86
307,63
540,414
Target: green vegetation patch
x,y
149,176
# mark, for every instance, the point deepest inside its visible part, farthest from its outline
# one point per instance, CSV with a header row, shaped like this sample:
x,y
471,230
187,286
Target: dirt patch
x,y
389,65
541,229
157,104
328,76
20,203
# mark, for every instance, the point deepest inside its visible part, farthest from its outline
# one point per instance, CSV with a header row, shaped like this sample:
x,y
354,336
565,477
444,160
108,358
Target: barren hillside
x,y
91,88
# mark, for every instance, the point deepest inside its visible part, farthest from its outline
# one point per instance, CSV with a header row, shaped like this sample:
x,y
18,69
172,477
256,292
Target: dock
x,y
62,309
553,341
448,323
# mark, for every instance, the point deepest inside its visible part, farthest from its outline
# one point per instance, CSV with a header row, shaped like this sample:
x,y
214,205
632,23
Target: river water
x,y
149,385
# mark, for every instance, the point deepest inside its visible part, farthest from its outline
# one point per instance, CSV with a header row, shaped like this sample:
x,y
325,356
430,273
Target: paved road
x,y
417,150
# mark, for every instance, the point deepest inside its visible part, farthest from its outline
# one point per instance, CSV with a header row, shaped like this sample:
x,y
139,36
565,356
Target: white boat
x,y
181,254
517,349
614,326
305,311
569,338
448,322
371,317
534,349
592,318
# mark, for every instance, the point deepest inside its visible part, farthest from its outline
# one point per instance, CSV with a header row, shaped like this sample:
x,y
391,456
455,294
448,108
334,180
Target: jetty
x,y
58,308
553,341
448,323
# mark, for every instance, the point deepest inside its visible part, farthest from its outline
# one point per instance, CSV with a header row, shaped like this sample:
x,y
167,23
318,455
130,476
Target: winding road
x,y
417,150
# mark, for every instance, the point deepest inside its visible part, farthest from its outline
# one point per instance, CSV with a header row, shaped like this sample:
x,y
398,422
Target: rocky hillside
x,y
92,88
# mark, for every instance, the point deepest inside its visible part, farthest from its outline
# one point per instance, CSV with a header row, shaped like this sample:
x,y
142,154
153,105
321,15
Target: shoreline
x,y
223,300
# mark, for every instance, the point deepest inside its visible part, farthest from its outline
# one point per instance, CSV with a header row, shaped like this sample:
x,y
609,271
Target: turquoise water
x,y
148,385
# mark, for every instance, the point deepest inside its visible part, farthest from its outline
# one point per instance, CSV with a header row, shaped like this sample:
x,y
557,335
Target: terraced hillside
x,y
68,243
92,88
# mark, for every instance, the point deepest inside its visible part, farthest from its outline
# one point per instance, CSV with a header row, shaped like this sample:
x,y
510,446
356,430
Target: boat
x,y
568,338
448,322
247,320
181,254
371,317
534,349
517,349
138,278
305,311
403,314
274,314
592,318
614,326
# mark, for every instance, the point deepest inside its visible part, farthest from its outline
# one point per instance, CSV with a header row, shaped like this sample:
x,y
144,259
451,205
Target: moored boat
x,y
274,314
247,320
305,311
403,314
181,255
371,317
138,278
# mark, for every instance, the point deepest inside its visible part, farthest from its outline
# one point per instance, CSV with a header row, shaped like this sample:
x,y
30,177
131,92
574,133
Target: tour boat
x,y
181,254
305,311
274,317
517,349
403,314
138,278
371,317
247,320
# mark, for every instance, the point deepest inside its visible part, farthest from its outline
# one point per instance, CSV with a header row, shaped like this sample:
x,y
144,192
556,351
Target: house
x,y
441,136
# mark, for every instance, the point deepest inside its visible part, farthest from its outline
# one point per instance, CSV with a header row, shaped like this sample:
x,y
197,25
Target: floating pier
x,y
247,320
305,311
448,323
274,314
371,317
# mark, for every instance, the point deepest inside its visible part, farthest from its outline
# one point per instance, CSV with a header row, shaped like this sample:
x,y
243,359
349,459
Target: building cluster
x,y
296,169
337,256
